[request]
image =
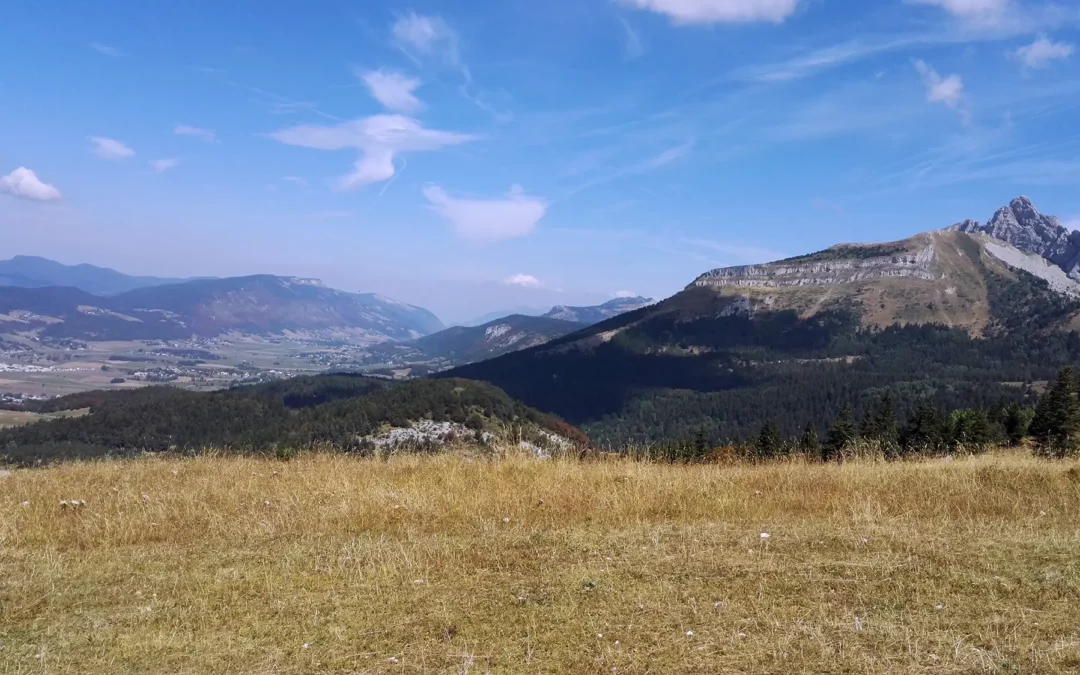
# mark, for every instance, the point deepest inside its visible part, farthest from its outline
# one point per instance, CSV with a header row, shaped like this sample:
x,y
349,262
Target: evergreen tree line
x,y
1052,427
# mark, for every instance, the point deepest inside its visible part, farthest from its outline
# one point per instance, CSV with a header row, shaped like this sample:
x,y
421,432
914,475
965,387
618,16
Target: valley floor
x,y
450,564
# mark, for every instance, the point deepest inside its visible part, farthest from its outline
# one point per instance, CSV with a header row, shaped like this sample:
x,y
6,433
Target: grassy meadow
x,y
457,564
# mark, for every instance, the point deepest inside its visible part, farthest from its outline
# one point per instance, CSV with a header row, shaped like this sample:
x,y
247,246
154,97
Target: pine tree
x,y
924,431
1057,416
809,444
841,434
881,423
767,445
1017,422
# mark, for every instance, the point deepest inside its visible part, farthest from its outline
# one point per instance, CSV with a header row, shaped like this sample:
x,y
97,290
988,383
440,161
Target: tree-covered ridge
x,y
848,252
330,412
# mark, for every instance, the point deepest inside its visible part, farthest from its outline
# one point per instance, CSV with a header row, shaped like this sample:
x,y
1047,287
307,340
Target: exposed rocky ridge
x,y
598,313
1021,225
846,263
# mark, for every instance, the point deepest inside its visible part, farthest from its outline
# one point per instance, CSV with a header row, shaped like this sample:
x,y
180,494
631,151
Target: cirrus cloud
x,y
25,184
379,138
163,165
110,149
201,134
515,215
969,9
718,11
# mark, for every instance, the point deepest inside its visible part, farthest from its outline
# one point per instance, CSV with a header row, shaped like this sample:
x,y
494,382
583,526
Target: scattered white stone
x,y
306,645
25,504
392,659
506,520
4,474
689,633
146,497
765,535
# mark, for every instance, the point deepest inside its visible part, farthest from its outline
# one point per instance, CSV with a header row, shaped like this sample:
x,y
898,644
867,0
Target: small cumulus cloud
x,y
379,138
515,215
393,91
106,50
110,149
718,11
523,281
196,132
1041,52
163,165
946,90
25,184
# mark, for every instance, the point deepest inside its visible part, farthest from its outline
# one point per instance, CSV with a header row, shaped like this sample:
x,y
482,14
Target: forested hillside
x,y
694,364
342,412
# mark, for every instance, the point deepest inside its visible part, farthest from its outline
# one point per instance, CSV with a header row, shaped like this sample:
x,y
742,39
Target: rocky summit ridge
x,y
1021,225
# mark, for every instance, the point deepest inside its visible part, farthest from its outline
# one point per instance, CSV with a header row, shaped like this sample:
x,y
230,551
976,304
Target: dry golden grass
x,y
444,564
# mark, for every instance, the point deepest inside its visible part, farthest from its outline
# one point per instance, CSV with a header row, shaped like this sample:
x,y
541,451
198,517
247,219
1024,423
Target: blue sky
x,y
467,155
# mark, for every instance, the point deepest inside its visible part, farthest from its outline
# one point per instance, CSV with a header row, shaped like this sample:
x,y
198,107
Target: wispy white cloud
x,y
970,9
718,11
946,90
643,166
106,50
1041,52
524,281
295,180
163,165
633,48
749,255
25,184
333,214
624,294
1072,223
196,132
515,215
110,148
393,90
379,138
429,41
420,36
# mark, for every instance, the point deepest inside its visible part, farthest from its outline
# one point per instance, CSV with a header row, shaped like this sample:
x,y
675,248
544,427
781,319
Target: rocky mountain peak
x,y
1021,225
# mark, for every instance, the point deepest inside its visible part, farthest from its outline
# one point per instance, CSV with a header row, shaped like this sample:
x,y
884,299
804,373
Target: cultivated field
x,y
453,565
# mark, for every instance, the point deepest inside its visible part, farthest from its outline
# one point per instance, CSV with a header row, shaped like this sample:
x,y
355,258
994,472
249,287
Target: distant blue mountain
x,y
28,271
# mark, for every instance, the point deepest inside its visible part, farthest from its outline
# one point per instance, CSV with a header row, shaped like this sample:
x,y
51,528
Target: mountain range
x,y
958,317
211,307
35,272
465,344
587,315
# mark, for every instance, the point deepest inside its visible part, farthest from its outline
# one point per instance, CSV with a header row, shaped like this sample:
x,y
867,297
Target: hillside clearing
x,y
453,564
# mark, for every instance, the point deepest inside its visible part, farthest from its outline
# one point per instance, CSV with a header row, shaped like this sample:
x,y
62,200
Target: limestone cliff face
x,y
842,264
1021,225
